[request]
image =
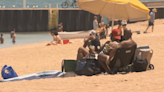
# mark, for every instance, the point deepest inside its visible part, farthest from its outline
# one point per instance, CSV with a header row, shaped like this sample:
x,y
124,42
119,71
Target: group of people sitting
x,y
106,52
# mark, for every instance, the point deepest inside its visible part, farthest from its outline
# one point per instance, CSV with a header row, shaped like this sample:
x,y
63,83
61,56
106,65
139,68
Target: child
x,y
56,39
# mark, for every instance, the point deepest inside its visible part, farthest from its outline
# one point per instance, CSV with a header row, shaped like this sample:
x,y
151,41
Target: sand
x,y
32,58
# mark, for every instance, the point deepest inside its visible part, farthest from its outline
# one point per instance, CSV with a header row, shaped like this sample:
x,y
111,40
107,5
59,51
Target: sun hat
x,y
92,32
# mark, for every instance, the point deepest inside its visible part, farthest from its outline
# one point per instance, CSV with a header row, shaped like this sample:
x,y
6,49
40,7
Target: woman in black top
x,y
92,40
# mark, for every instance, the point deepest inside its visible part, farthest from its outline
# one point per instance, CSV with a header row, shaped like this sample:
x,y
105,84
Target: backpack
x,y
87,67
8,72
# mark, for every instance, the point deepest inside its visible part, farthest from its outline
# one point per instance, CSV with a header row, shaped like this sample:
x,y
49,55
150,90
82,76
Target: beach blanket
x,y
40,75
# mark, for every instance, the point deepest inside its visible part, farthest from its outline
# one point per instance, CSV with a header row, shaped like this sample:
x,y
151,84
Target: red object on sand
x,y
66,41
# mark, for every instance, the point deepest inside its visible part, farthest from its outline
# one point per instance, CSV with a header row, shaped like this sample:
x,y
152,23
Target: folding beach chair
x,y
126,57
69,65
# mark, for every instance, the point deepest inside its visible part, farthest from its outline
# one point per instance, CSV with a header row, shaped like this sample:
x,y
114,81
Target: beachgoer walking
x,y
151,20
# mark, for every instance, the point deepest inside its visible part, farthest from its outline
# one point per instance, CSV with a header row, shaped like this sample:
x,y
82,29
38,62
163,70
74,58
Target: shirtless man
x,y
13,35
104,55
12,32
127,43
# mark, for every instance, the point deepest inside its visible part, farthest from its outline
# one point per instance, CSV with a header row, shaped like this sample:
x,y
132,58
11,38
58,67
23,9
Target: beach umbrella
x,y
132,10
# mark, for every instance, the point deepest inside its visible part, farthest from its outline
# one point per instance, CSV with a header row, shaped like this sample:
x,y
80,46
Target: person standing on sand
x,y
124,23
95,23
2,39
151,20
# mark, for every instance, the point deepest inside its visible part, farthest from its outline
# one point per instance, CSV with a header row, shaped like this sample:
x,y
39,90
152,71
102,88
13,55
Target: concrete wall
x,y
156,4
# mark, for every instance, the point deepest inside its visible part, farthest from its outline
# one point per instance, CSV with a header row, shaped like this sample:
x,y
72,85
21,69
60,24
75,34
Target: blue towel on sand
x,y
40,75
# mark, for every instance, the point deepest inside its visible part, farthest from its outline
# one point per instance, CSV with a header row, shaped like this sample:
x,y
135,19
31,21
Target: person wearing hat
x,y
108,48
151,20
91,41
105,59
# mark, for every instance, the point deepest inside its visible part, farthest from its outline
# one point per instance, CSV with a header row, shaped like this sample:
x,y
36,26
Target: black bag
x,y
87,67
140,65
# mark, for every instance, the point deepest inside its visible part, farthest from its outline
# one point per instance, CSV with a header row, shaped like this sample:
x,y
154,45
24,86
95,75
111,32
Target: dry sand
x,y
32,58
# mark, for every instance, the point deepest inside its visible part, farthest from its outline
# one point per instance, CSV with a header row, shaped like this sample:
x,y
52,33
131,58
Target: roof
x,y
151,0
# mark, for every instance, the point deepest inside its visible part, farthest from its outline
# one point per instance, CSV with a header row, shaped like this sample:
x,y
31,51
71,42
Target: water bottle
x,y
139,56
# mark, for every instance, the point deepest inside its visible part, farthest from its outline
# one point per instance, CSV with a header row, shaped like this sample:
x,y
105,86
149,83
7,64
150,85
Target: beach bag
x,y
87,67
8,72
140,65
144,52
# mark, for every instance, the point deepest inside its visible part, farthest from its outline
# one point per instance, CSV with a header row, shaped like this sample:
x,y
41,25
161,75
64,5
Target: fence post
x,y
24,3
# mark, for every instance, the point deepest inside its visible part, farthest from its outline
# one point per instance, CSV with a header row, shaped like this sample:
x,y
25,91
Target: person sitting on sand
x,y
56,39
92,40
127,43
2,39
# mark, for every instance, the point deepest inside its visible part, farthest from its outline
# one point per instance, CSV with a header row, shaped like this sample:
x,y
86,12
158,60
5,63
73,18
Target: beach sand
x,y
33,58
